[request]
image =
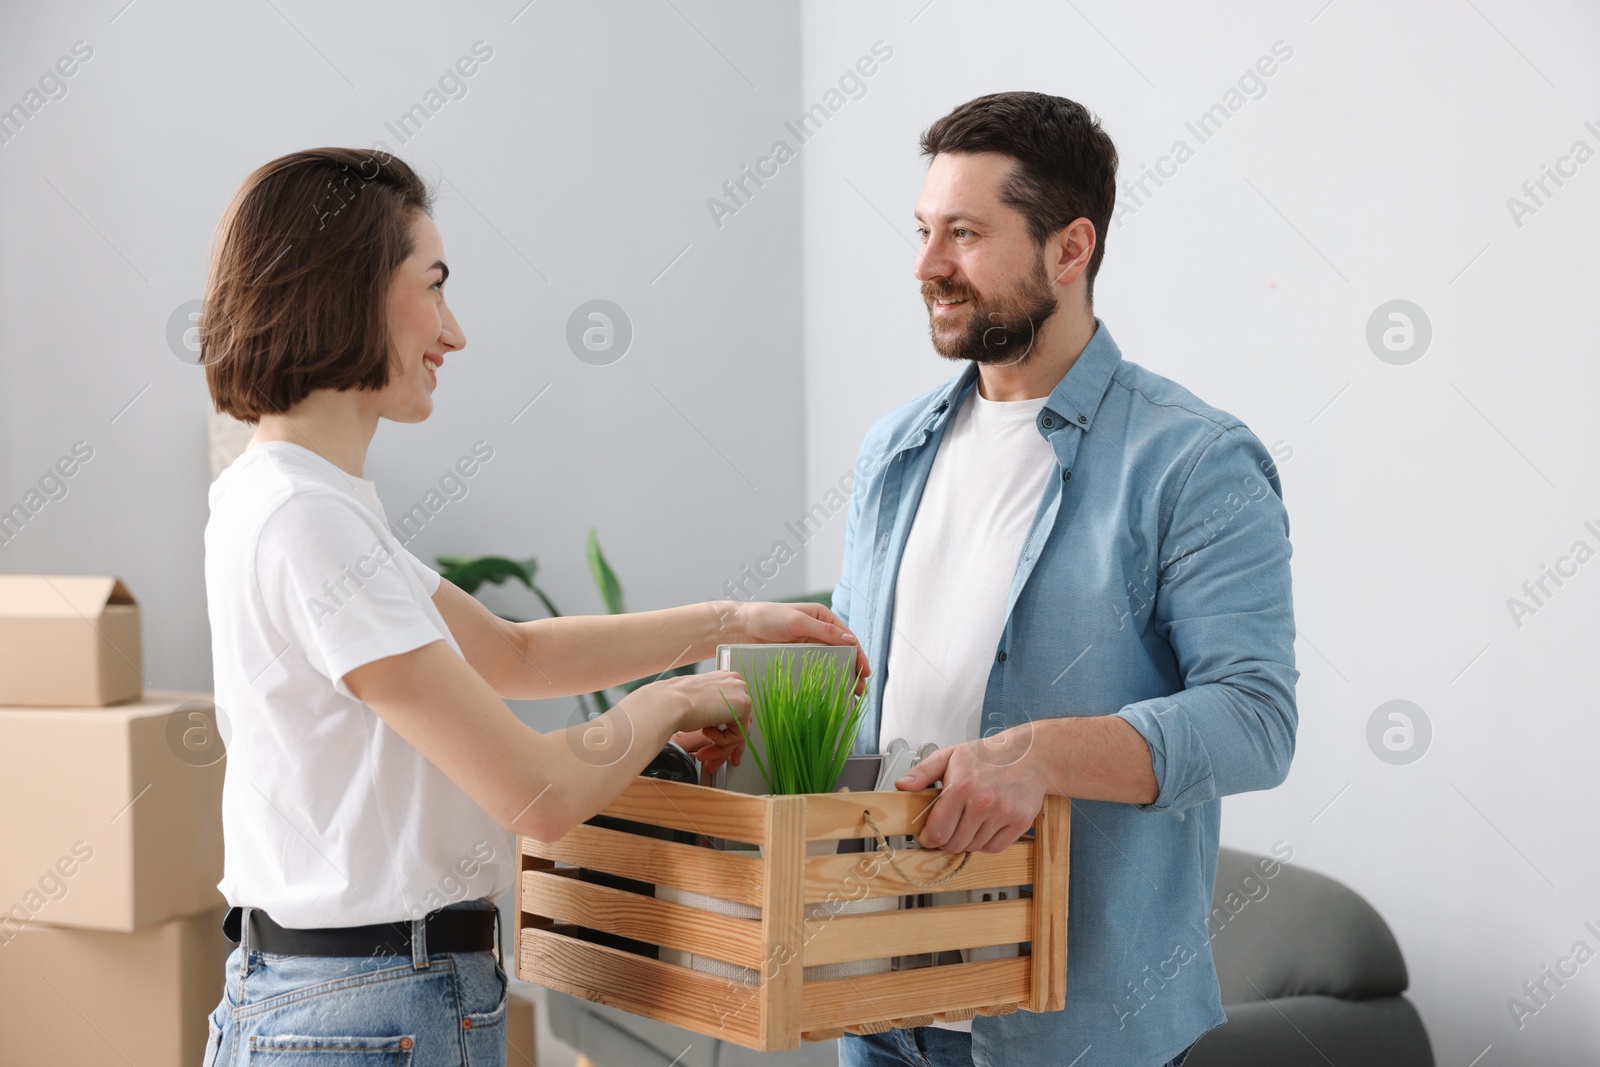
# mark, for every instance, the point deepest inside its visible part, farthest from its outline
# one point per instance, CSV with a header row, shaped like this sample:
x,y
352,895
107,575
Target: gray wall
x,y
1375,165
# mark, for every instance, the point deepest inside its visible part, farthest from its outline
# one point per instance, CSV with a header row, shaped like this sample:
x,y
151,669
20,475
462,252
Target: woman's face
x,y
421,327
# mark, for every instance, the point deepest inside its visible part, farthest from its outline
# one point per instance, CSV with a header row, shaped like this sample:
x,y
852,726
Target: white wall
x,y
1376,166
576,167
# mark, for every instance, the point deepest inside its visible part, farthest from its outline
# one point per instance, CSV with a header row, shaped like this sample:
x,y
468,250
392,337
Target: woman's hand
x,y
713,699
713,746
764,623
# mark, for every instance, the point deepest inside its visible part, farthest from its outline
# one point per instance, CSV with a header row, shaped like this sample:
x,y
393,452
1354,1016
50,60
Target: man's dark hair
x,y
301,262
1066,165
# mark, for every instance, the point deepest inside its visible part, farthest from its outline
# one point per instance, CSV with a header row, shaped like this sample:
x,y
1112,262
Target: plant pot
x,y
815,914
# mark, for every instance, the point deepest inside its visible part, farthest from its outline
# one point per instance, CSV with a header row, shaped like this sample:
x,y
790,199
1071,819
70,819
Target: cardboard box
x,y
68,640
521,1033
114,814
95,999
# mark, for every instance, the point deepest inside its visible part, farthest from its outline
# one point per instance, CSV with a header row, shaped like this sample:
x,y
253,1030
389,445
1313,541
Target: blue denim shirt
x,y
1153,584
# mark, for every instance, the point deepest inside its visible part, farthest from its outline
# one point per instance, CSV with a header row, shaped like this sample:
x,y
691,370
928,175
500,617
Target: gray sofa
x,y
1310,975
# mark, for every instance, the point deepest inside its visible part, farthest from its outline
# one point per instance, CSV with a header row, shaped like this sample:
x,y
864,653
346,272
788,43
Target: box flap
x,y
59,595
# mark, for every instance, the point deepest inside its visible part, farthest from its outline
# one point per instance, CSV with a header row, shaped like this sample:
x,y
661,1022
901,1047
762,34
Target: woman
x,y
375,777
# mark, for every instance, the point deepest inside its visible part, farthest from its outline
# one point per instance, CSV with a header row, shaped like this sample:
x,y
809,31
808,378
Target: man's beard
x,y
999,330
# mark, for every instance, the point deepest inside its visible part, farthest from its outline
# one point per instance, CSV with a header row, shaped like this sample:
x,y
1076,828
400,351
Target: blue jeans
x,y
924,1046
441,1009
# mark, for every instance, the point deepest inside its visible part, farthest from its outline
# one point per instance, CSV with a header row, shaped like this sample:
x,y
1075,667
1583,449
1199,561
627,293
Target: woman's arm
x,y
536,784
583,653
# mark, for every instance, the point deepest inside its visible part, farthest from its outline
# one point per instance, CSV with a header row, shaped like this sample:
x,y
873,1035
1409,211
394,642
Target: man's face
x,y
983,277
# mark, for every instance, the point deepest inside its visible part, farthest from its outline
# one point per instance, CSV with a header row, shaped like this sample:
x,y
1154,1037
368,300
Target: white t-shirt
x,y
955,573
329,817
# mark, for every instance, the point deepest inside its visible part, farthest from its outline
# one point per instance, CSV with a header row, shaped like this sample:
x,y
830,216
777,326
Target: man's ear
x,y
1069,250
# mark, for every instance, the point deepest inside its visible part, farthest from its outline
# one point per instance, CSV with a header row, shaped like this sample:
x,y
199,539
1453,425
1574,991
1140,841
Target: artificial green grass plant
x,y
808,722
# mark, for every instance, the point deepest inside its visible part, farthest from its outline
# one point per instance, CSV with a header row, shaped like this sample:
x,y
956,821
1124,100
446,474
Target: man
x,y
1076,576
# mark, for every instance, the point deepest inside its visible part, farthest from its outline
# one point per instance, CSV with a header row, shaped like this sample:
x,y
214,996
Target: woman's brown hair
x,y
301,262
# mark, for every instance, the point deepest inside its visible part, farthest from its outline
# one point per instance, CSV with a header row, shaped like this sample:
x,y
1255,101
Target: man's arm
x,y
1223,604
995,786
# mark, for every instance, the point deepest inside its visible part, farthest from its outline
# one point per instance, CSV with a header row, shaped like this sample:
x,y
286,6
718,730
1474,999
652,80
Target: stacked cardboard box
x,y
111,945
111,948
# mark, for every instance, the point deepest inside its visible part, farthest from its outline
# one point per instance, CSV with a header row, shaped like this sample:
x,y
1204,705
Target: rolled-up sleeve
x,y
1223,604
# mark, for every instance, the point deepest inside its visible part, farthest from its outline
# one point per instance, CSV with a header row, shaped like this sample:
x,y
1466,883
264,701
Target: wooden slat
x,y
841,1002
831,816
853,875
1047,984
728,875
657,922
705,1004
908,1021
695,808
520,918
842,938
782,933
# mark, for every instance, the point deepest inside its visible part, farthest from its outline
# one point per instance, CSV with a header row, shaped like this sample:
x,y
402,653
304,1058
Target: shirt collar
x,y
1075,399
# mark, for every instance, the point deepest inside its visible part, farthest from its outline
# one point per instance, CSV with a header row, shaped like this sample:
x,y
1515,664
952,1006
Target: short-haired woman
x,y
375,776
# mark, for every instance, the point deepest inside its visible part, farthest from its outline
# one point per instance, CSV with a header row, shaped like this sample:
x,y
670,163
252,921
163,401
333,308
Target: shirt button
x,y
1066,475
1002,656
1048,422
1083,418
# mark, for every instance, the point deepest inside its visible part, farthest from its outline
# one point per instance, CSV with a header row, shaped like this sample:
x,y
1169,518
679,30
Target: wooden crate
x,y
781,1006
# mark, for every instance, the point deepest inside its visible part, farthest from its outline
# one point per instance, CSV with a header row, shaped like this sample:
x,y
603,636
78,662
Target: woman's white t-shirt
x,y
329,817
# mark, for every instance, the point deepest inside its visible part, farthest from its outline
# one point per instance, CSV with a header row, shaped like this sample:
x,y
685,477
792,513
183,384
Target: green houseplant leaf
x,y
471,573
605,579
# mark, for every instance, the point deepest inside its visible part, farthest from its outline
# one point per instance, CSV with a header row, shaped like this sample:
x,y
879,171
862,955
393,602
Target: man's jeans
x,y
924,1046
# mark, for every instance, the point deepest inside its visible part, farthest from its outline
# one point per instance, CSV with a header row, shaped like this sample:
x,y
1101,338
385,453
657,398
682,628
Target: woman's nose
x,y
452,336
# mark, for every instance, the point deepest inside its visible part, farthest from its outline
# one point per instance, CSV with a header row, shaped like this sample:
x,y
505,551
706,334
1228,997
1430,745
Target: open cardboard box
x,y
68,641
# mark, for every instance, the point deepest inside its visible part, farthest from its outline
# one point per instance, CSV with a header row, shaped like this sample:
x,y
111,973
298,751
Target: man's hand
x,y
992,792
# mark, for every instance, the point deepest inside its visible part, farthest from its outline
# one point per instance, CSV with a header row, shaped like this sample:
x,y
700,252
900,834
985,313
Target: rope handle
x,y
888,851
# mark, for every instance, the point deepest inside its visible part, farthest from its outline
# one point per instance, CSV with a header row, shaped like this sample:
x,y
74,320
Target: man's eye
x,y
959,232
922,233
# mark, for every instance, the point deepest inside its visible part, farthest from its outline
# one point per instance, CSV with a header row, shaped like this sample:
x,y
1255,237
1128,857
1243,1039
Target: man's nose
x,y
932,261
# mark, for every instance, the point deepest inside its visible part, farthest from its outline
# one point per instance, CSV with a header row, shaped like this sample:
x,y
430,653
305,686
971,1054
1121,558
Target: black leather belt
x,y
455,930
